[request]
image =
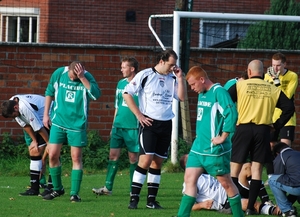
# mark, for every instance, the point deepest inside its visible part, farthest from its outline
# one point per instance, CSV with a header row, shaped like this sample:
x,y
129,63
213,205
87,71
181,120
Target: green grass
x,y
169,197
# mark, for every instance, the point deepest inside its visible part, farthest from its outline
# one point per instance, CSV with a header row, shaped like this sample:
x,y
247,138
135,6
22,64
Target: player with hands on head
x,y
28,111
156,88
72,88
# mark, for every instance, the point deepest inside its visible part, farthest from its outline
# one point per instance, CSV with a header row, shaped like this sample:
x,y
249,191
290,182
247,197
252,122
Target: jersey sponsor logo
x,y
71,87
204,103
70,96
258,91
164,98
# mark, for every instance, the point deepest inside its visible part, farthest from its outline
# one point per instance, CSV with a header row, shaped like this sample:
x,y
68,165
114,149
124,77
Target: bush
x,y
95,154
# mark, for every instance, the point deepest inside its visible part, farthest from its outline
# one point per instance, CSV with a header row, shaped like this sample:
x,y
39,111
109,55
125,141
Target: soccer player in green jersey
x,y
124,131
71,88
216,119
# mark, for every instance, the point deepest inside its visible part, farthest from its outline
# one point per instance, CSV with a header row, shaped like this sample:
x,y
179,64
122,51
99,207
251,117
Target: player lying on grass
x,y
211,195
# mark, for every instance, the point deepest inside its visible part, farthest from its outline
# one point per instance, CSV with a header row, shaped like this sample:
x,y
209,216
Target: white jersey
x,y
31,108
155,93
209,188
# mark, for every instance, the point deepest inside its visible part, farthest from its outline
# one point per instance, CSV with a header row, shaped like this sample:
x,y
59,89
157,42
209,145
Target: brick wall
x,y
27,69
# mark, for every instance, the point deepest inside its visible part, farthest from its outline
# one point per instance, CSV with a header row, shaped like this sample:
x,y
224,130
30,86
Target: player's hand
x,y
217,140
207,204
144,120
177,71
277,211
34,146
79,70
46,121
274,75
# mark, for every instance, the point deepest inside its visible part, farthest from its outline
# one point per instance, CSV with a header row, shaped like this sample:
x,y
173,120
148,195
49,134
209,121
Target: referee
x,y
256,101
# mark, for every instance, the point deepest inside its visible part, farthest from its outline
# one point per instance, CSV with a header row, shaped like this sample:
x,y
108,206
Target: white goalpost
x,y
177,15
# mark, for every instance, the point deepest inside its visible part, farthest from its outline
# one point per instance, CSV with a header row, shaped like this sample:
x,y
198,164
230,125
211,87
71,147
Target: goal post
x,y
222,17
177,15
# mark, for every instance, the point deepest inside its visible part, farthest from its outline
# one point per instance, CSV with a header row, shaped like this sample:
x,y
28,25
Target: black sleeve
x,y
287,107
233,93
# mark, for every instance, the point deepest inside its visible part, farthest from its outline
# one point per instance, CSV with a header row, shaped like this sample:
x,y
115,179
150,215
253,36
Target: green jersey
x,y
230,82
124,117
216,113
70,108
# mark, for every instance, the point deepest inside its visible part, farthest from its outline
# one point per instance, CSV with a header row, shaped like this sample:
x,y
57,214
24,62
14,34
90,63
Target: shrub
x,y
95,154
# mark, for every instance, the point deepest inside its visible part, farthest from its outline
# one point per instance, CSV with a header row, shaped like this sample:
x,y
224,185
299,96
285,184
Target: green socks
x,y
112,169
43,180
186,205
76,178
236,206
56,178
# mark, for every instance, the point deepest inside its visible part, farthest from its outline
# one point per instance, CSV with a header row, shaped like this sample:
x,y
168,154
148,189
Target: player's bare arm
x,y
46,118
203,205
135,110
181,83
34,144
220,139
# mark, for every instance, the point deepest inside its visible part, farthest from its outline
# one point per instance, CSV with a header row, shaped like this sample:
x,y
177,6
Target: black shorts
x,y
251,140
156,139
41,142
286,132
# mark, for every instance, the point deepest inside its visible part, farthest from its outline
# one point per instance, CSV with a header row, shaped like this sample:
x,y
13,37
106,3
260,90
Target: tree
x,y
275,35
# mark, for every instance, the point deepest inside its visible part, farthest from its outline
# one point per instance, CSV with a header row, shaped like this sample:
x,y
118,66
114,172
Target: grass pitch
x,y
169,196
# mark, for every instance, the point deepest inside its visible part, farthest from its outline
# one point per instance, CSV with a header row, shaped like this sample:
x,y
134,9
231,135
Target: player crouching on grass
x,y
28,110
212,196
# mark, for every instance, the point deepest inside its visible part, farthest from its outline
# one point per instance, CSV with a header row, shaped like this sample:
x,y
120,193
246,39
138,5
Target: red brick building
x,y
100,33
101,22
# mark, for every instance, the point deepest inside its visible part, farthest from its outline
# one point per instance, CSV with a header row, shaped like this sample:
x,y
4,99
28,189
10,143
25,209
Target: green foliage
x,y
95,155
275,35
10,148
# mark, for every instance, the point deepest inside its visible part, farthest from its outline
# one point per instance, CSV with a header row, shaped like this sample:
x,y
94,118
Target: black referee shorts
x,y
251,140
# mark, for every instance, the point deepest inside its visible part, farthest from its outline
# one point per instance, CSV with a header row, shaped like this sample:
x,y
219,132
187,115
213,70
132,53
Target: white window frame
x,y
227,23
19,12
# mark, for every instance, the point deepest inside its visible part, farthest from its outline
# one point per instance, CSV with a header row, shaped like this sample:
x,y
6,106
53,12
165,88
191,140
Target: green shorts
x,y
121,138
59,135
215,166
